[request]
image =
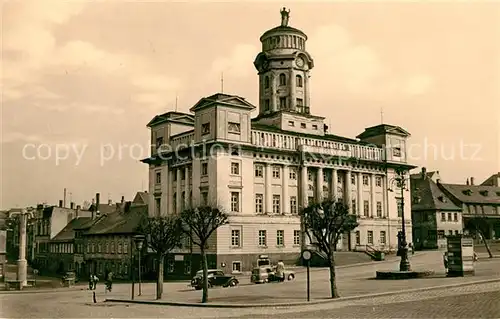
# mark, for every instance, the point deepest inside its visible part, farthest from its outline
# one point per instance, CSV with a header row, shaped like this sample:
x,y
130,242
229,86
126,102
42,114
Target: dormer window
x,y
282,79
498,193
484,193
205,128
416,200
442,199
234,128
467,192
298,81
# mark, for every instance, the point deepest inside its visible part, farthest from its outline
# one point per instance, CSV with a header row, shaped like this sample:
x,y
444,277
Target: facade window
x,y
174,202
235,238
205,128
293,173
282,79
296,237
235,201
276,204
235,168
365,180
276,172
293,205
204,198
125,248
187,267
314,127
291,123
158,206
366,208
303,125
353,206
450,232
358,238
325,177
183,200
353,180
370,237
280,237
457,233
174,172
282,103
309,176
158,178
262,238
378,181
170,266
339,179
119,248
298,81
449,217
440,234
267,105
159,141
266,82
310,200
443,217
259,170
236,266
382,237
234,128
399,202
299,104
455,217
204,169
259,203
379,209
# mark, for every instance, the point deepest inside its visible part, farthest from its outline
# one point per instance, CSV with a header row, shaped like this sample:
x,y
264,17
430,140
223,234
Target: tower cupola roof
x,y
283,29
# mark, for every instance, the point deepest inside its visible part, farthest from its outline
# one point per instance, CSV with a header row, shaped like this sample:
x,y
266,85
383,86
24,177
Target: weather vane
x,y
285,16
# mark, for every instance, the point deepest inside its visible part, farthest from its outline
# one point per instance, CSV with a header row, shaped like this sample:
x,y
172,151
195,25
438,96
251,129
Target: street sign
x,y
306,254
460,256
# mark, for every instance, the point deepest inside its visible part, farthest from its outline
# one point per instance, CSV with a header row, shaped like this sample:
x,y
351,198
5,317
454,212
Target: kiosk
x,y
460,256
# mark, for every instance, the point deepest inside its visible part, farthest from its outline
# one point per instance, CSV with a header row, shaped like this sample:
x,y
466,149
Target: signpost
x,y
460,256
307,255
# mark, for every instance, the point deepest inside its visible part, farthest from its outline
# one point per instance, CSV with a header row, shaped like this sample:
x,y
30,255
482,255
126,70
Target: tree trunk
x,y
159,281
333,281
204,298
485,242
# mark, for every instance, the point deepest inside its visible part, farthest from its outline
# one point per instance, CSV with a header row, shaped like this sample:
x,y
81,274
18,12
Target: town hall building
x,y
264,170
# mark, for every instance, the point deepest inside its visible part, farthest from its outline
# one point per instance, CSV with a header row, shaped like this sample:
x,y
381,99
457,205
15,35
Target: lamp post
x,y
400,181
139,240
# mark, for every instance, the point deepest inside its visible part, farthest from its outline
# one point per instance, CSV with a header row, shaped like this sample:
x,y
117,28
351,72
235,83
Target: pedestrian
x,y
91,281
280,271
445,261
95,280
109,281
412,249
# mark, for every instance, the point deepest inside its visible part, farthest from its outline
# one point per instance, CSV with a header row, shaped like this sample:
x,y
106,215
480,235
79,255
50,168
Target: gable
x,y
383,129
222,99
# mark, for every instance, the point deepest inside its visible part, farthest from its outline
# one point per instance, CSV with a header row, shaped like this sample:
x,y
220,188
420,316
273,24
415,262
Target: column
x,y
165,189
22,264
360,195
373,202
347,191
385,190
292,105
333,190
170,187
319,185
268,197
178,190
187,203
285,199
303,203
272,96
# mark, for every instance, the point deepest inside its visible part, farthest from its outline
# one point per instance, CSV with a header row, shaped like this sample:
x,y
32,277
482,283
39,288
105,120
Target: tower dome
x,y
283,66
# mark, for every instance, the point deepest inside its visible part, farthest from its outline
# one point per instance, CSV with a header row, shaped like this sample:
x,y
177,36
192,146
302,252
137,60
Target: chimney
x,y
467,182
60,203
424,173
123,199
97,201
72,205
64,198
472,180
110,202
77,211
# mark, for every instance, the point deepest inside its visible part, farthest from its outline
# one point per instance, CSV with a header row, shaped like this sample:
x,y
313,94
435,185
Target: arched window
x,y
282,79
298,81
266,82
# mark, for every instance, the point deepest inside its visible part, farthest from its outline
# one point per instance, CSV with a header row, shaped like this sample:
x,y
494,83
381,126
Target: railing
x,y
182,140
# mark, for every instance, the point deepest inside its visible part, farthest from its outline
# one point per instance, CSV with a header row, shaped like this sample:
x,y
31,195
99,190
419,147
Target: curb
x,y
39,291
302,303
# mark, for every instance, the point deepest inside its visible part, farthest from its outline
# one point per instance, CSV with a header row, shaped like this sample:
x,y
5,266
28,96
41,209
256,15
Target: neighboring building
x,y
434,214
493,180
263,171
11,223
108,241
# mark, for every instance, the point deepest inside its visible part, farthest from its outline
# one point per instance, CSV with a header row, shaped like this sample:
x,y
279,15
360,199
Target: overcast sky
x,y
91,75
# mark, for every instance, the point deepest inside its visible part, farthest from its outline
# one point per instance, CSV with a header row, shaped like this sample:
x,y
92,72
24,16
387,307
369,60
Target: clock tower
x,y
283,67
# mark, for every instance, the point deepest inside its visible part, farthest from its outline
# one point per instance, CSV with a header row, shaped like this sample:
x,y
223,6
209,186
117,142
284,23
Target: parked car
x,y
216,277
266,274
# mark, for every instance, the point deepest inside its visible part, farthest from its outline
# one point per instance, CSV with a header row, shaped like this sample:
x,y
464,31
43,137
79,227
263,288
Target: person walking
x,y
95,280
109,281
280,271
445,261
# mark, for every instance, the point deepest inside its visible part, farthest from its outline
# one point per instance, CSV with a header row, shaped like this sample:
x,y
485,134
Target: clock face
x,y
300,62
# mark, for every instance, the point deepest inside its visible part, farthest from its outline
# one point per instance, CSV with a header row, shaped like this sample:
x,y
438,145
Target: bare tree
x,y
199,224
324,223
163,233
478,225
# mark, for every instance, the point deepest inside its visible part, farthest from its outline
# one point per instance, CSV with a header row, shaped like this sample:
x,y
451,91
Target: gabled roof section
x,y
103,208
473,194
174,117
426,195
493,180
105,223
383,129
131,220
141,198
223,99
68,232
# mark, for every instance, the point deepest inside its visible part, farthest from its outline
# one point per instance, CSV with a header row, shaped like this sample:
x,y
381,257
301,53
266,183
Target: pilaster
x,y
268,196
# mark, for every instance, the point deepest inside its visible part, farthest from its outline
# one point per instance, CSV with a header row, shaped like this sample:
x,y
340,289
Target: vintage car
x,y
216,277
262,275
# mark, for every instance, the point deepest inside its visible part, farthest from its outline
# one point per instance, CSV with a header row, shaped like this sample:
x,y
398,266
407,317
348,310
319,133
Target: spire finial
x,y
285,16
